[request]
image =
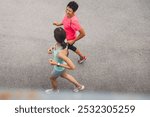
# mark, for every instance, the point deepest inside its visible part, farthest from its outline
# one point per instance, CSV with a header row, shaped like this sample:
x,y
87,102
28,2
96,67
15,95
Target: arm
x,y
63,56
51,49
57,24
81,35
52,62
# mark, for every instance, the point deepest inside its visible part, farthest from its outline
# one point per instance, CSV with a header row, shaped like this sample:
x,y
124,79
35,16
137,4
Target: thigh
x,y
72,47
56,73
64,74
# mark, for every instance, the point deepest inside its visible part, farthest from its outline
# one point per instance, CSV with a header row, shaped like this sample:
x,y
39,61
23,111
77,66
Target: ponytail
x,y
60,36
63,44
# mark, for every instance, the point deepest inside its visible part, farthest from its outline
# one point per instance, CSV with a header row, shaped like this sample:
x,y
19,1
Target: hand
x,y
71,42
52,62
50,50
55,23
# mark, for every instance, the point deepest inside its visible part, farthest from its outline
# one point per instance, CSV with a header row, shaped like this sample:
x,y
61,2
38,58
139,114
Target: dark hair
x,y
60,36
73,5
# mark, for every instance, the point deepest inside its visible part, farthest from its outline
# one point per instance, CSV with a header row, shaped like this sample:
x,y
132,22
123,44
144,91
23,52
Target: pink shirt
x,y
71,25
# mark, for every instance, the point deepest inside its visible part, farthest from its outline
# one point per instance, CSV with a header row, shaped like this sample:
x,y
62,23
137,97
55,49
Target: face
x,y
69,12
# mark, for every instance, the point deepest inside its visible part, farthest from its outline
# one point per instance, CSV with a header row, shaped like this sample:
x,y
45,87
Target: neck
x,y
71,16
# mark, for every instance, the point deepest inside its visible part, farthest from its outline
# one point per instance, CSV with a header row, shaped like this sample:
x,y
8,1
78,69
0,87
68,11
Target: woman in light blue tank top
x,y
61,62
58,60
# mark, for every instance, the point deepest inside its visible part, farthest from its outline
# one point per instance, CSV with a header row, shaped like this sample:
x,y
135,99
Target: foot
x,y
82,60
77,89
48,91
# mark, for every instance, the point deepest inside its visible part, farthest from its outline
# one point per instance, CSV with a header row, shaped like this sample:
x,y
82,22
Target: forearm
x,y
57,24
68,63
65,66
81,34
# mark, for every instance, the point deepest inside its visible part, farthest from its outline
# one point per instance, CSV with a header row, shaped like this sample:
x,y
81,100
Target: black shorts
x,y
72,47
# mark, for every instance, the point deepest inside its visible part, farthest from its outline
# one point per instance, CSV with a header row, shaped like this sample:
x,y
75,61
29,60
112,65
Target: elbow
x,y
73,67
83,34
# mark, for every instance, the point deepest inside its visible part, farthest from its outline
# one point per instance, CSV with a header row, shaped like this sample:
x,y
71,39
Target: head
x,y
60,36
71,8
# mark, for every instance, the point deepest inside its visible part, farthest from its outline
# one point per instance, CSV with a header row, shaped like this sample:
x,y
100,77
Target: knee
x,y
72,47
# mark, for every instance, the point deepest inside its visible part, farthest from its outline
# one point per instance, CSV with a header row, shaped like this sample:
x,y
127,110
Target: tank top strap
x,y
67,49
67,46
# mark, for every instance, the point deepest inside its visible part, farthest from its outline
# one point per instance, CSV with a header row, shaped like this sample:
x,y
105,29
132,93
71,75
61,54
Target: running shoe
x,y
82,60
48,91
77,89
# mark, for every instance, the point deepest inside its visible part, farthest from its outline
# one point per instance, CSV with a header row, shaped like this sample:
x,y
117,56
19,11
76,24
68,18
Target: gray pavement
x,y
117,45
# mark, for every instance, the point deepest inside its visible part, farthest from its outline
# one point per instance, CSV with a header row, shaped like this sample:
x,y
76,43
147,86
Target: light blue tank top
x,y
58,60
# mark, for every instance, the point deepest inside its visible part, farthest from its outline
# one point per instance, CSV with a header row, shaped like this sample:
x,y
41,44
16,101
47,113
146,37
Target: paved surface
x,y
28,94
117,44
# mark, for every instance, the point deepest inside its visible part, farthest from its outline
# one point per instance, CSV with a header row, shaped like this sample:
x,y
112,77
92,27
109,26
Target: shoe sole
x,y
78,90
82,61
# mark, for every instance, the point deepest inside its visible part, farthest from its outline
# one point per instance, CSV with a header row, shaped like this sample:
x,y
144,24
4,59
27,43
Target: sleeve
x,y
63,20
75,25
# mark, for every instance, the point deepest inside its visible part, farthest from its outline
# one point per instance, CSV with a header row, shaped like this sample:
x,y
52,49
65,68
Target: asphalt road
x,y
117,44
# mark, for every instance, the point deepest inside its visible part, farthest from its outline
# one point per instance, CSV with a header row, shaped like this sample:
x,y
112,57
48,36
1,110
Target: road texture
x,y
117,44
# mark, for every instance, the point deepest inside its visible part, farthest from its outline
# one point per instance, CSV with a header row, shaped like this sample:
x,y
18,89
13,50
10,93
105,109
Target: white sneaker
x,y
48,91
77,89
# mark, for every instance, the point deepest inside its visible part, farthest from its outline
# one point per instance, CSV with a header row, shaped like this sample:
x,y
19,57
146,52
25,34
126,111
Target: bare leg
x,y
71,79
79,53
53,82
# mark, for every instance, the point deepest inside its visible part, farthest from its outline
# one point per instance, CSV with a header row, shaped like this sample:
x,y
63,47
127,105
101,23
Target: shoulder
x,y
74,18
75,21
64,18
62,53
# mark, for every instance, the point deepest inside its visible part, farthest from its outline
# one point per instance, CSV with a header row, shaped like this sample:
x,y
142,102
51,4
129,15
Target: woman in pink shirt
x,y
71,26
